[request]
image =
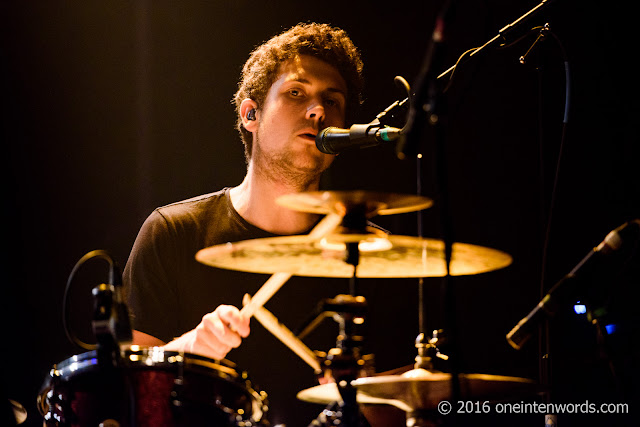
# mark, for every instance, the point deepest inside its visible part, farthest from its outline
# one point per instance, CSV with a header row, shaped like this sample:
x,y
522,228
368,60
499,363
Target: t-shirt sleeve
x,y
151,289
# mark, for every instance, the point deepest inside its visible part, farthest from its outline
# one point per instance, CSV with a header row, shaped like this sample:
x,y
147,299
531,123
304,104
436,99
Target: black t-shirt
x,y
169,291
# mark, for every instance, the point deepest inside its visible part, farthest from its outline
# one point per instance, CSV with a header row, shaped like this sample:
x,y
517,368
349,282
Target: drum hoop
x,y
82,362
213,365
138,358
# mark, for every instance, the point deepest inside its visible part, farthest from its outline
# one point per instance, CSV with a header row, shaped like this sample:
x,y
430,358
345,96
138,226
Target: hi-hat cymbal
x,y
378,412
382,257
328,393
422,389
374,203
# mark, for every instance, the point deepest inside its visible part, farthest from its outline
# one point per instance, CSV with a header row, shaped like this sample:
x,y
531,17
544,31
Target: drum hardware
x,y
428,352
340,364
330,416
345,362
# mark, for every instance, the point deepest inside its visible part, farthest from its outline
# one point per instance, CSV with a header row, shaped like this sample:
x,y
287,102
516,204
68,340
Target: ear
x,y
245,106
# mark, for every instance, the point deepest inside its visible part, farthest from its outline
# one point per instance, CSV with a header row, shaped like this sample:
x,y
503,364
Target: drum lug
x,y
178,392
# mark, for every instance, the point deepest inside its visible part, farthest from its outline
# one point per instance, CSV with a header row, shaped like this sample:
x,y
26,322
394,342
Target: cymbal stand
x,y
353,258
345,362
354,221
428,351
427,107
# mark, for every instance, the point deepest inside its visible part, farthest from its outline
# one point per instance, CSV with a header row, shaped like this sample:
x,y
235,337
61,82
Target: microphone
x,y
547,307
334,140
111,321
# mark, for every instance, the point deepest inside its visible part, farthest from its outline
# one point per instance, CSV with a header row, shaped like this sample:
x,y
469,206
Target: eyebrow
x,y
336,90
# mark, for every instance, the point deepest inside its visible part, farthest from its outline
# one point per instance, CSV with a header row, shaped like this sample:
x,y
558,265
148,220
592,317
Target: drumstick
x,y
263,295
276,281
273,325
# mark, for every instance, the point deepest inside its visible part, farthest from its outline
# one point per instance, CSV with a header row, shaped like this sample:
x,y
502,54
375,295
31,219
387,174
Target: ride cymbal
x,y
381,257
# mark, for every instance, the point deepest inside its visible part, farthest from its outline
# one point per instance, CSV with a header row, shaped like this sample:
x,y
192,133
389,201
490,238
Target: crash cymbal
x,y
423,389
389,256
374,203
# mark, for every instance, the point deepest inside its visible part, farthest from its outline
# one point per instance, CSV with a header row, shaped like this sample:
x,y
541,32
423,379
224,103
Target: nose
x,y
315,112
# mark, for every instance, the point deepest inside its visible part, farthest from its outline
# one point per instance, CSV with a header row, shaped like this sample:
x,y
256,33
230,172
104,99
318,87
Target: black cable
x,y
67,291
554,188
544,345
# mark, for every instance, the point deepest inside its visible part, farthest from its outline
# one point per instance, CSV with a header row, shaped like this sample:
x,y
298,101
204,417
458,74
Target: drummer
x,y
292,86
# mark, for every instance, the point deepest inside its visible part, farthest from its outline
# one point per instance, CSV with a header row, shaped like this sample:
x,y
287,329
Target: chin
x,y
311,166
320,159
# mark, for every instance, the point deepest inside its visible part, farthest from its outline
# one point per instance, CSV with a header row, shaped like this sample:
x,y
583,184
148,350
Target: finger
x,y
246,299
210,349
238,322
219,326
206,343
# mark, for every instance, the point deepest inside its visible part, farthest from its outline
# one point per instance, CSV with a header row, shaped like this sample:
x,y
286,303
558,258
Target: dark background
x,y
110,109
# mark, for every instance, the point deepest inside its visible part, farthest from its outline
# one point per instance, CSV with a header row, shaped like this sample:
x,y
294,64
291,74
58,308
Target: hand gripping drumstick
x,y
275,282
273,325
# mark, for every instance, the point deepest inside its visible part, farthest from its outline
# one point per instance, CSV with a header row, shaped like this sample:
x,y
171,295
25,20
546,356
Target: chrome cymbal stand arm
x,y
345,362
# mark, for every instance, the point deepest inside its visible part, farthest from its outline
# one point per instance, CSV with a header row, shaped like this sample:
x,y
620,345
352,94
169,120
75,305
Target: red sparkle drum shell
x,y
150,387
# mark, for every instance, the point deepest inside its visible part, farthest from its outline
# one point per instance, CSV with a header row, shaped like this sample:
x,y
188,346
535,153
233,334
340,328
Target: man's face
x,y
307,96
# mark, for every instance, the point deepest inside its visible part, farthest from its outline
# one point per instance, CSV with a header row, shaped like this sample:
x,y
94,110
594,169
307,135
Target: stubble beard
x,y
283,167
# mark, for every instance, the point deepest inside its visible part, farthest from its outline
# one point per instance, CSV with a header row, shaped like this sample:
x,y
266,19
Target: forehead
x,y
310,70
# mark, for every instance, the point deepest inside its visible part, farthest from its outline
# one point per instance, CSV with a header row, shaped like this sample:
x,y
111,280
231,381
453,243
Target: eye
x,y
331,102
295,93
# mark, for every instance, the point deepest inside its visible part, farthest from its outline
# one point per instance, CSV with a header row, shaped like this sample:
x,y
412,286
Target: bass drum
x,y
149,387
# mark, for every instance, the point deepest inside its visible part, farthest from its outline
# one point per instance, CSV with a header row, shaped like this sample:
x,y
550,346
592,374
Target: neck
x,y
255,200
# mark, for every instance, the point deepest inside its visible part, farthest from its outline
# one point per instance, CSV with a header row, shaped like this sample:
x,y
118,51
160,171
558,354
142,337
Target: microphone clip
x,y
110,317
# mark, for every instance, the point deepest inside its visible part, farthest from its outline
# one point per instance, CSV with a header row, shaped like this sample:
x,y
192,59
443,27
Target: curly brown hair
x,y
322,41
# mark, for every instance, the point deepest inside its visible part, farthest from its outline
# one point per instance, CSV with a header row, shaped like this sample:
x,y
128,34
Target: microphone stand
x,y
426,107
426,90
501,36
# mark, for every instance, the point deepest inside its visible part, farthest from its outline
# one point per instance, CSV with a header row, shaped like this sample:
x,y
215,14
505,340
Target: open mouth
x,y
309,136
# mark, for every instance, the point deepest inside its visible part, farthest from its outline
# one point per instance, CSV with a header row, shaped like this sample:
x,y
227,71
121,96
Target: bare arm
x,y
146,340
217,333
